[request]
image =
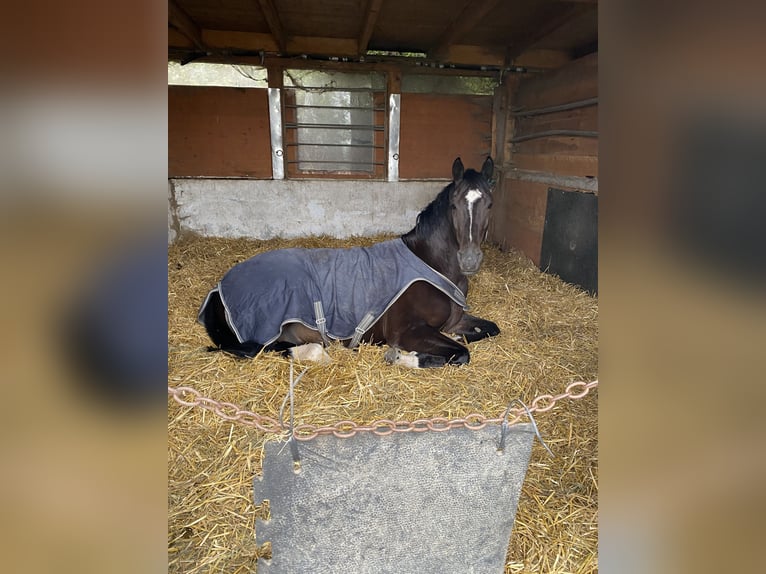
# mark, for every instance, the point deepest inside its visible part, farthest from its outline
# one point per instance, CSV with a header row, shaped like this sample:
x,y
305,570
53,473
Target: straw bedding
x,y
549,338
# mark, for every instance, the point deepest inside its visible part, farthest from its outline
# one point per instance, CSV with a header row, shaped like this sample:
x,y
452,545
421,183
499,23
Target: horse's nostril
x,y
469,261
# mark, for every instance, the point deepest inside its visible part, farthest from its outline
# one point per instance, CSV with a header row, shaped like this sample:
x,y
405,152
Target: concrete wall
x,y
264,209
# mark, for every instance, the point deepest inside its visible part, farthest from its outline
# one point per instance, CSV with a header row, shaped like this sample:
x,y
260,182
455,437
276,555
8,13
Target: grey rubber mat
x,y
404,503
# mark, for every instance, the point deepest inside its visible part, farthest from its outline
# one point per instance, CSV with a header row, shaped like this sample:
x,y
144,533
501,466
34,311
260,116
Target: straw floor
x,y
549,338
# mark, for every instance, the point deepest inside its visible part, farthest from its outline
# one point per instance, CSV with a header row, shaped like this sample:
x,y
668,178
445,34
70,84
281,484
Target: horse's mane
x,y
431,218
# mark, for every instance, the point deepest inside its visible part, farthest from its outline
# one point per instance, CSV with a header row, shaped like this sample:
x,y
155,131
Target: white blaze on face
x,y
471,197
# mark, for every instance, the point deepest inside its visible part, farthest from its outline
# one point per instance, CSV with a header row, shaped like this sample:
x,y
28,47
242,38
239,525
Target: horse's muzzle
x,y
469,260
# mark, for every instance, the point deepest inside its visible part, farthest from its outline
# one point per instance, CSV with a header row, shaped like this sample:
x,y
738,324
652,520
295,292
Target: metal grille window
x,y
335,123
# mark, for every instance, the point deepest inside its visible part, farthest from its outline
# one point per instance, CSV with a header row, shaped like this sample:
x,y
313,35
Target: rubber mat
x,y
404,503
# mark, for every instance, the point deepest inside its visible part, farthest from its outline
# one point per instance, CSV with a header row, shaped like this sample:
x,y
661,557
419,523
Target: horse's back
x,y
270,290
259,294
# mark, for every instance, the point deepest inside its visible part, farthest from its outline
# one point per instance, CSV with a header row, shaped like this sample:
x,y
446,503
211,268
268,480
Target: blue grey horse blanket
x,y
340,292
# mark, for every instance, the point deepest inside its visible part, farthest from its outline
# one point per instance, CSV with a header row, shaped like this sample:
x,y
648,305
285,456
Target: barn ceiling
x,y
465,33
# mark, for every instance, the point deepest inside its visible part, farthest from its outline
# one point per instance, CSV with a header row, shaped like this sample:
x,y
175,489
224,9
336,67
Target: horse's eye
x,y
489,206
453,206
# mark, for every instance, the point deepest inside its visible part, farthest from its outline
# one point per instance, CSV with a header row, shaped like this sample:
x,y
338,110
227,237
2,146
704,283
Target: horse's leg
x,y
414,324
428,348
302,343
473,328
296,340
214,319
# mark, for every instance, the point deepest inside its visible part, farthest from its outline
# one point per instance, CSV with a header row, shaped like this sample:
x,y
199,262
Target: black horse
x,y
406,292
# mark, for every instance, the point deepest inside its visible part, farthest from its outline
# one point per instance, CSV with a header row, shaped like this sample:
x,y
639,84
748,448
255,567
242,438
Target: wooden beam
x,y
537,33
275,75
559,164
251,41
468,18
240,41
323,46
275,24
373,10
535,58
351,66
474,55
394,81
182,22
178,40
459,54
575,182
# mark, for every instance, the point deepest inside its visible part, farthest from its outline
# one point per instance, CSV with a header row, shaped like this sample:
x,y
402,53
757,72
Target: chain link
x,y
189,397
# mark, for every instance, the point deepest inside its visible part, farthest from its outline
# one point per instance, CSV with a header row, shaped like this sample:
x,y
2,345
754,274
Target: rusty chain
x,y
189,397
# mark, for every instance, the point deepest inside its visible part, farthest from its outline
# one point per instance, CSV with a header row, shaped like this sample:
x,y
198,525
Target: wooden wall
x,y
435,129
218,132
224,132
519,209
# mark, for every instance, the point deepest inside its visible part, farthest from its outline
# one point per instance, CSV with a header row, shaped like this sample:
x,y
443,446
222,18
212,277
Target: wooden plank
x,y
275,76
184,24
178,40
578,119
519,216
499,112
256,42
219,132
315,45
474,55
556,145
384,65
530,219
275,24
232,40
537,32
580,165
370,17
582,119
527,195
435,129
394,81
578,80
542,58
473,12
560,181
528,241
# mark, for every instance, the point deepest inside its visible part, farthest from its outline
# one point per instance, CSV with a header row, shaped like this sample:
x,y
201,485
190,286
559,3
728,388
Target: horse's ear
x,y
457,170
488,169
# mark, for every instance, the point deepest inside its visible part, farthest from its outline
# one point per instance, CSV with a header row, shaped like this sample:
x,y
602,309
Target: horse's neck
x,y
439,253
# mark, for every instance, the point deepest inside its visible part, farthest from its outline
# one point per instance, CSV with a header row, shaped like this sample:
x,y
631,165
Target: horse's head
x,y
470,202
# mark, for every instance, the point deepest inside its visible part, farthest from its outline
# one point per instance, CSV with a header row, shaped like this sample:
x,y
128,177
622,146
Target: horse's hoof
x,y
395,356
392,355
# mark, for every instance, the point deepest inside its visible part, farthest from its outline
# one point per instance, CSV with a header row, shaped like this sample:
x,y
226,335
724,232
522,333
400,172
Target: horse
x,y
408,293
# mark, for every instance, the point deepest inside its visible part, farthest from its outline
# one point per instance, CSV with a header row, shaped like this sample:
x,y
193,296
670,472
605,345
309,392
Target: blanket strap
x,y
367,321
321,321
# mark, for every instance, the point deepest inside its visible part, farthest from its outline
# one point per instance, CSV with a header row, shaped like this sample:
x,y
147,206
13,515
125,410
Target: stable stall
x,y
333,124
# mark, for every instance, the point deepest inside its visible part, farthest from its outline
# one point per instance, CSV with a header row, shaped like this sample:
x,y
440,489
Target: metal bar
x,y
275,126
394,108
299,106
336,126
320,89
551,133
306,161
304,144
520,113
